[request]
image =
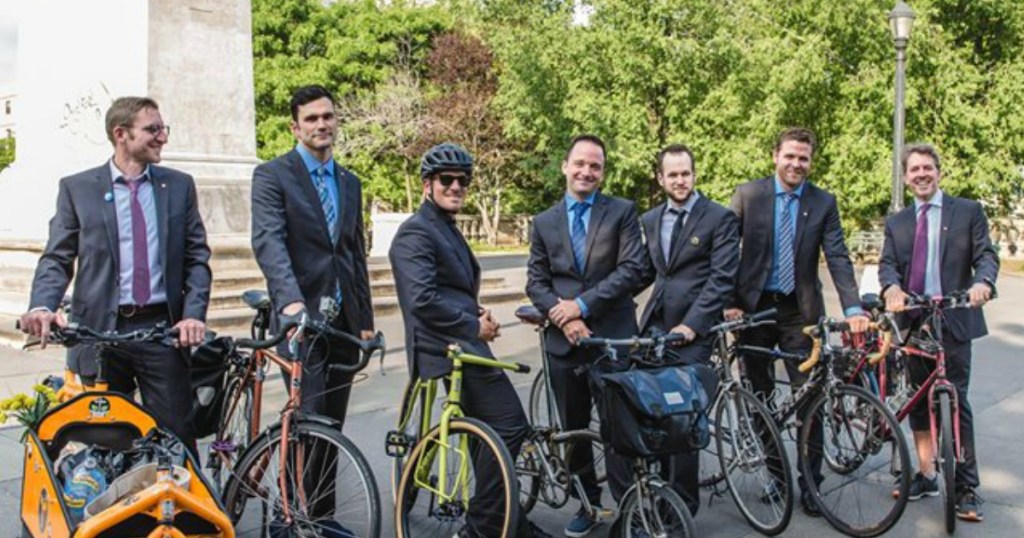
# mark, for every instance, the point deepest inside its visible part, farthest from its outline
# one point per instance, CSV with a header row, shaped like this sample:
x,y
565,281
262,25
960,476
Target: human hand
x,y
489,329
574,330
191,332
688,334
858,323
293,312
366,334
732,314
38,323
565,311
979,294
895,299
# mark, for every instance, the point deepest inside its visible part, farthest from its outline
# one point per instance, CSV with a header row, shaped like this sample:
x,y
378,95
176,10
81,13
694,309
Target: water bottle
x,y
85,484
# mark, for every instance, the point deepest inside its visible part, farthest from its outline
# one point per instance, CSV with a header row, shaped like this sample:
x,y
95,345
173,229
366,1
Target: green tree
x,y
6,151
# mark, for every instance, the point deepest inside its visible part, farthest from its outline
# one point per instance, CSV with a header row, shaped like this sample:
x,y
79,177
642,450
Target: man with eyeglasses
x,y
133,231
438,283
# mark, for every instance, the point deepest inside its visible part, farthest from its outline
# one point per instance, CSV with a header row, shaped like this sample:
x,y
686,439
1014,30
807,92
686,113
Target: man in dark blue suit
x,y
586,256
786,222
691,258
438,282
940,244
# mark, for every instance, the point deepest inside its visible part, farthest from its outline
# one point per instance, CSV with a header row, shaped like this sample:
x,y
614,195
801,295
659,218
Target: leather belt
x,y
133,311
778,297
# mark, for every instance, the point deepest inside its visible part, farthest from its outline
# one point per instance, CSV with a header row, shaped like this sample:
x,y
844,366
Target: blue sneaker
x,y
581,524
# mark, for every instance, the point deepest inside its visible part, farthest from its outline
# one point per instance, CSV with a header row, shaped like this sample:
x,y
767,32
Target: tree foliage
x,y
6,151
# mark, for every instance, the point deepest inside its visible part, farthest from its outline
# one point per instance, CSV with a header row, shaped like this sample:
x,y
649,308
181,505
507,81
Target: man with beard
x,y
937,245
779,267
586,256
691,258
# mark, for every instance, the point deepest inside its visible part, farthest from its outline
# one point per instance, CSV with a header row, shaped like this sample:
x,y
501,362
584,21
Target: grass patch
x,y
1012,266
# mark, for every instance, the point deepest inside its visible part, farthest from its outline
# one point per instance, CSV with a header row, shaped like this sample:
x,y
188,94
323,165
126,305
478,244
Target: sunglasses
x,y
447,180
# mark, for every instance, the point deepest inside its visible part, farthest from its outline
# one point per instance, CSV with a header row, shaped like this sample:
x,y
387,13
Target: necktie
x,y
140,246
919,258
579,235
676,229
326,202
787,278
331,214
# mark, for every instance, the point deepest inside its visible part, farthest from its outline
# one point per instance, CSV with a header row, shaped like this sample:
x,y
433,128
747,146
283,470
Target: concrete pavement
x,y
997,395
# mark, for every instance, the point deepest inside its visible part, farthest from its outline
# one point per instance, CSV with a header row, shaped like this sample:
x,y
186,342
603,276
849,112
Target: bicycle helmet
x,y
446,157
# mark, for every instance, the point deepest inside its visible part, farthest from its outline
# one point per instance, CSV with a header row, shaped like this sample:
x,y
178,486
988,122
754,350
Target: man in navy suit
x,y
691,258
786,222
940,244
438,282
586,256
133,232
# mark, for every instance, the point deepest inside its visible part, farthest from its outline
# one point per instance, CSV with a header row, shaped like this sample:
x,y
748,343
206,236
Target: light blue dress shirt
x,y
932,274
123,207
570,203
668,221
312,164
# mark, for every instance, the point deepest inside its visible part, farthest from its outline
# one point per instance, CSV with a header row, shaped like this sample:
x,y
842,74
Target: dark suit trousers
x,y
682,470
159,372
488,395
575,397
958,372
787,334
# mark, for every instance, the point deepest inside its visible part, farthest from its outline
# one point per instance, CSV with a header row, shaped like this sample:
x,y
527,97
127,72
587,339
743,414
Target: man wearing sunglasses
x,y
438,283
133,232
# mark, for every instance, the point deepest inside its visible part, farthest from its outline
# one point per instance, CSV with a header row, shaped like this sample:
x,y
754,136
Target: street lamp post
x,y
901,20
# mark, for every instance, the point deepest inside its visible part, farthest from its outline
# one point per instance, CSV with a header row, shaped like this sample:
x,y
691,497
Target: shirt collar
x,y
936,201
312,164
116,173
779,189
571,201
687,206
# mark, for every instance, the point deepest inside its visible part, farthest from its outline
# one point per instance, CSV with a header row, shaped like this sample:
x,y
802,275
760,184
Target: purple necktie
x,y
919,258
140,247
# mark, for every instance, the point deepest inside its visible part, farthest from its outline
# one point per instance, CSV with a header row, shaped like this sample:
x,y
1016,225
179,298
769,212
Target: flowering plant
x,y
29,410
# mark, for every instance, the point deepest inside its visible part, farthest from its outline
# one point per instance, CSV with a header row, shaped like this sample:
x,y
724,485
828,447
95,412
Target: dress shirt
x,y
932,276
312,165
668,220
123,208
570,203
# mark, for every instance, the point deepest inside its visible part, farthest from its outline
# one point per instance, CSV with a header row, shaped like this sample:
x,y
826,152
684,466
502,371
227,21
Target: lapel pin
x,y
807,213
163,185
694,241
108,196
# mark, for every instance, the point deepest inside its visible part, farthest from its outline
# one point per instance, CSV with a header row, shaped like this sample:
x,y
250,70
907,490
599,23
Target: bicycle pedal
x,y
604,514
397,444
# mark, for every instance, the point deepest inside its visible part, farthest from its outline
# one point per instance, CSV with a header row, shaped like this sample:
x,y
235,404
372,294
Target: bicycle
x,y
856,429
295,470
542,465
649,507
437,482
748,449
896,390
172,499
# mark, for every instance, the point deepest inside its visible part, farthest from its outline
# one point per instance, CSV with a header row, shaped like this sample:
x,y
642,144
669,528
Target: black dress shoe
x,y
808,505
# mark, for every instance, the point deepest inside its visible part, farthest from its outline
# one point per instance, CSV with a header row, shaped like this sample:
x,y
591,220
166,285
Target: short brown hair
x,y
799,134
920,149
123,110
675,149
593,139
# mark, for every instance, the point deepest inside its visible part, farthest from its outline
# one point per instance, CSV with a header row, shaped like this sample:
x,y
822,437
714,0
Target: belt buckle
x,y
128,311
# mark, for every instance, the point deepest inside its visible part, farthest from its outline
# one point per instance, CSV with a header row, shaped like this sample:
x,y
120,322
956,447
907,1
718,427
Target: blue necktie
x,y
579,235
787,279
331,214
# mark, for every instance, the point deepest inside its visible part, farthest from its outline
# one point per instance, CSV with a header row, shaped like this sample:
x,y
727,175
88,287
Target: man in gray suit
x,y
586,256
307,234
135,232
691,258
940,244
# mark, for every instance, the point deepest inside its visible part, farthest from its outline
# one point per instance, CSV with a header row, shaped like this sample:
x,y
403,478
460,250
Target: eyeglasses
x,y
156,129
447,180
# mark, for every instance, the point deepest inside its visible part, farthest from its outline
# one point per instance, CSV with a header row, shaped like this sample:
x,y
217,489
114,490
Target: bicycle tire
x,y
233,432
417,510
411,429
647,517
947,463
254,485
855,493
751,452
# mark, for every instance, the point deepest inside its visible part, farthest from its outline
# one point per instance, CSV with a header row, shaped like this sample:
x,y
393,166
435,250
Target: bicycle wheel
x,y
233,433
424,508
410,429
329,488
865,450
756,467
655,510
947,463
539,415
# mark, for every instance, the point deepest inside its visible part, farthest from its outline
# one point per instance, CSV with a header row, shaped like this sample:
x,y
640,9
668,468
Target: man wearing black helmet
x,y
438,282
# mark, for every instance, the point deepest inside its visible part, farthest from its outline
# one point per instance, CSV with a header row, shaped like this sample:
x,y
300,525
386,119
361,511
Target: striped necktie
x,y
787,278
326,202
579,235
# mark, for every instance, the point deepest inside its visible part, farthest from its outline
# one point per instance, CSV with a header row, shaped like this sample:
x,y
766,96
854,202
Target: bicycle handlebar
x,y
633,342
74,334
367,348
764,317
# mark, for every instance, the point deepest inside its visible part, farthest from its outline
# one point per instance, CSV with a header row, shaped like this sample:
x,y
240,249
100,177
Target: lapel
x,y
104,187
948,212
162,200
805,205
653,231
342,187
691,221
597,213
306,186
767,214
904,225
457,245
562,225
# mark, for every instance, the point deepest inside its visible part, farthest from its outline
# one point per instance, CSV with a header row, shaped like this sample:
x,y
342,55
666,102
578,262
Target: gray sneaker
x,y
920,487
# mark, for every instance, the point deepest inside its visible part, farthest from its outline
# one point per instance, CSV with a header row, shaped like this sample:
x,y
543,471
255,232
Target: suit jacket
x,y
966,256
614,263
438,282
700,275
817,229
293,245
84,230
